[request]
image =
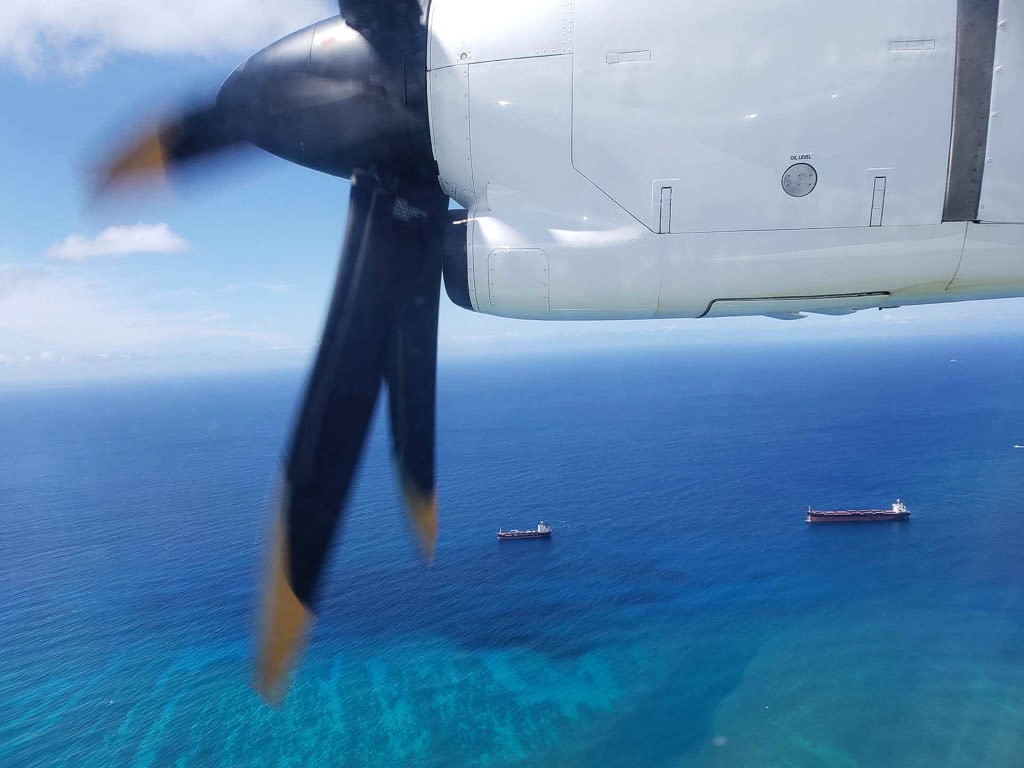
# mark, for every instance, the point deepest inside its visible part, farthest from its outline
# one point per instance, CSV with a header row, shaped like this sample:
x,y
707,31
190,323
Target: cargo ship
x,y
542,531
899,511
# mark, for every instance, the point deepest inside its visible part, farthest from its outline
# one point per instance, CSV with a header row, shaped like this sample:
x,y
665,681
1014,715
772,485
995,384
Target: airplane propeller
x,y
346,96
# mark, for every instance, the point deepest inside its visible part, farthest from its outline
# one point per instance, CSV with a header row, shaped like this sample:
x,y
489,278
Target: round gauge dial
x,y
799,180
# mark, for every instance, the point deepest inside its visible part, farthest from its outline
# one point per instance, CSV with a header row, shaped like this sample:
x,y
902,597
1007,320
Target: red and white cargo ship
x,y
899,511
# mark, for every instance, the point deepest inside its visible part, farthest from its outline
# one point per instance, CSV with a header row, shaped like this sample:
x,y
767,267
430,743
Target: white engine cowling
x,y
698,160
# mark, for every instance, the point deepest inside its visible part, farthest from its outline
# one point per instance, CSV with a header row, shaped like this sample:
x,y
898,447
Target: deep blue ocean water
x,y
684,614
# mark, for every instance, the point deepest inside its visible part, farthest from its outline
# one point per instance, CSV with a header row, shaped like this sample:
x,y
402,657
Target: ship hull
x,y
858,516
524,535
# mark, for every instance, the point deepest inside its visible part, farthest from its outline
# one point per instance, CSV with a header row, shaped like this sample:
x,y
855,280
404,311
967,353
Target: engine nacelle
x,y
696,160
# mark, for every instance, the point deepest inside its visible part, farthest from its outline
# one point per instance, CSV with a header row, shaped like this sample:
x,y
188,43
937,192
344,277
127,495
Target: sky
x,y
231,270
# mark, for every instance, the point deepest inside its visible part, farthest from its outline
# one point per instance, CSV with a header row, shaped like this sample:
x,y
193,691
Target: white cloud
x,y
71,316
75,37
13,279
176,293
119,241
273,287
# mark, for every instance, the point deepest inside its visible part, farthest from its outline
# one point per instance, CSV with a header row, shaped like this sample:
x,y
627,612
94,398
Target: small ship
x,y
899,511
542,531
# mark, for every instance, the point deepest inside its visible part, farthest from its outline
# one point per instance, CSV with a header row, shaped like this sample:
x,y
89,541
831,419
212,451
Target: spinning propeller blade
x,y
382,325
346,96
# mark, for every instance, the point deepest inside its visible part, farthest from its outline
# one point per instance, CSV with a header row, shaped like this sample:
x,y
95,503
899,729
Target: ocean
x,y
683,614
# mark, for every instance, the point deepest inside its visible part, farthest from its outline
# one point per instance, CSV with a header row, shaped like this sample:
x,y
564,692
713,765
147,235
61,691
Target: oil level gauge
x,y
799,180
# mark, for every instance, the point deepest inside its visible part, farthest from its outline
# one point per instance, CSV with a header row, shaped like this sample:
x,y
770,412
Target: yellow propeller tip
x,y
147,157
421,510
284,627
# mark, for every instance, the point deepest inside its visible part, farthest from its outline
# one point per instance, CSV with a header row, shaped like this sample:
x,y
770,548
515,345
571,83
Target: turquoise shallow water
x,y
683,614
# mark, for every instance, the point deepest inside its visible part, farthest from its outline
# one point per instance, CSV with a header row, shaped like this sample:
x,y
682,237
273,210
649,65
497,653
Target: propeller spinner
x,y
346,96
